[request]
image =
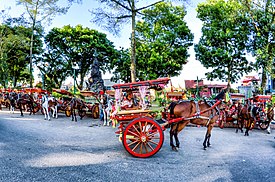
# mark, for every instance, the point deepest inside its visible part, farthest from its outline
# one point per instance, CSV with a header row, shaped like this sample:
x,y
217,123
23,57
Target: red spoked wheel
x,y
143,137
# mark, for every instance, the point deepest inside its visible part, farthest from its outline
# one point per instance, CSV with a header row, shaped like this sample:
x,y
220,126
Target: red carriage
x,y
264,101
141,134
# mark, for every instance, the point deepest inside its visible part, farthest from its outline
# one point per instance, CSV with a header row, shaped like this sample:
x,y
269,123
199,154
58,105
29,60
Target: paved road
x,y
32,149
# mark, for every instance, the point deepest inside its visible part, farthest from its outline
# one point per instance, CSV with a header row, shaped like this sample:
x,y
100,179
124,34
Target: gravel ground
x,y
32,149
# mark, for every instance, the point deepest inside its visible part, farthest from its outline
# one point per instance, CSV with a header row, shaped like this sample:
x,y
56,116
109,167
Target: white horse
x,y
272,121
49,102
107,112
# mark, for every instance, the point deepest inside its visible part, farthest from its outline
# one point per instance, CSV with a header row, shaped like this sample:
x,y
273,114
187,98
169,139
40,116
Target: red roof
x,y
193,83
158,82
216,85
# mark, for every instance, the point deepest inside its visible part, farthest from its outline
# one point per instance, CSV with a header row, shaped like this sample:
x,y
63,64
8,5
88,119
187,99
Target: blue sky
x,y
79,14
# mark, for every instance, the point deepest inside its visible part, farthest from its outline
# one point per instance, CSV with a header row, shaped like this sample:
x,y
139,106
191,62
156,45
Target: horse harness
x,y
198,111
255,111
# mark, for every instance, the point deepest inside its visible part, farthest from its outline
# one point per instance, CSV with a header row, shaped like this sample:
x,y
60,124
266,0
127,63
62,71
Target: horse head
x,y
222,95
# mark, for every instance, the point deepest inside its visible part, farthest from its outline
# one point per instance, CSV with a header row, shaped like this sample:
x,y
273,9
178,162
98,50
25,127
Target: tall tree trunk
x,y
31,58
264,79
229,77
133,44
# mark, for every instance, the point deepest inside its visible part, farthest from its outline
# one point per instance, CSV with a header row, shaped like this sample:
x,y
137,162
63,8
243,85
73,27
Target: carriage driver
x,y
127,101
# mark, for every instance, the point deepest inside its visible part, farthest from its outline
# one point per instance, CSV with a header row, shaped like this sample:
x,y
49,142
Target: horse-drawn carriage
x,y
68,103
248,112
141,134
92,103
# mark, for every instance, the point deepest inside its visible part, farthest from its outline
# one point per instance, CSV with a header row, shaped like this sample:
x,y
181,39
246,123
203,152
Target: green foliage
x,y
261,17
121,66
223,43
68,45
163,39
14,50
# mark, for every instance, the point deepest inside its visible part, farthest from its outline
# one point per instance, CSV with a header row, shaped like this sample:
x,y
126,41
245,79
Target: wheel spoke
x,y
146,147
140,148
133,133
153,142
153,134
144,127
150,146
132,143
140,126
134,148
136,129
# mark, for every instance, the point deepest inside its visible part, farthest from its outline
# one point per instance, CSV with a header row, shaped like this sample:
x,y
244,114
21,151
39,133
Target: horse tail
x,y
171,107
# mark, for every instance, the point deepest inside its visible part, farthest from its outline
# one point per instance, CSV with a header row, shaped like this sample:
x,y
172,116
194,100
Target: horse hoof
x,y
175,149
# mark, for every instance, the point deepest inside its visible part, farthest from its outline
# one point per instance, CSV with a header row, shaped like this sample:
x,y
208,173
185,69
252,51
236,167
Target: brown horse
x,y
270,117
19,101
2,100
231,115
79,105
249,115
203,113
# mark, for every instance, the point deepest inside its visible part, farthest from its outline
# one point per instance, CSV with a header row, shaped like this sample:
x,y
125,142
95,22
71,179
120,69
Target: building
x,y
270,85
248,86
109,84
205,90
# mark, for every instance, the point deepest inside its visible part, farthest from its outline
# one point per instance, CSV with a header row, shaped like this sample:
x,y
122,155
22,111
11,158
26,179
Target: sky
x,y
79,14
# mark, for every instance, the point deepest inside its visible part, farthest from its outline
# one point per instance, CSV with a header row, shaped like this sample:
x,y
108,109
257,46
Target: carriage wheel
x,y
143,137
68,112
95,111
263,125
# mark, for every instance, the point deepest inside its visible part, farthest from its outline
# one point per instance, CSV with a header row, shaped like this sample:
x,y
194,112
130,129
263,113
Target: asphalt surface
x,y
33,149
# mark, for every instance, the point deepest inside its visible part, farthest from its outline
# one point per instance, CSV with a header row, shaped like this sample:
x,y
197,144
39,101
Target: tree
x,y
14,46
121,66
38,11
114,14
163,39
261,14
223,43
68,45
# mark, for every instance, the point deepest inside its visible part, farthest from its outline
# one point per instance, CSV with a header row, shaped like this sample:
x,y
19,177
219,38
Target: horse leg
x,y
48,114
247,127
104,117
75,119
108,118
80,112
72,113
238,125
206,142
31,108
56,111
176,136
268,129
21,110
172,134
